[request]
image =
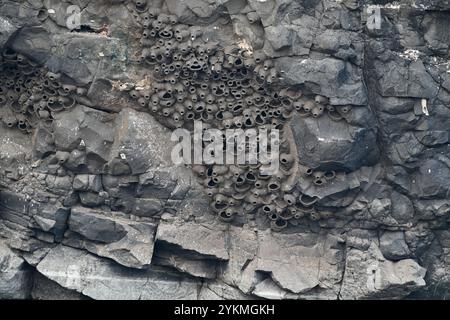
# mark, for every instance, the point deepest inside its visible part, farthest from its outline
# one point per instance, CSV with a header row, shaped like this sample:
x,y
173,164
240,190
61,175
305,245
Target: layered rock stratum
x,y
93,207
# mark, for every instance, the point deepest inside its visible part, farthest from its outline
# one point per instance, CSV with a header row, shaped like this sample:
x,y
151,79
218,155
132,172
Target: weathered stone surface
x,y
399,79
431,180
143,141
370,276
207,240
342,83
14,151
240,269
15,276
45,289
393,245
128,242
344,45
220,291
132,138
6,30
93,127
434,4
50,217
103,280
15,16
193,264
331,194
291,39
324,144
206,10
96,227
268,289
299,263
76,54
435,255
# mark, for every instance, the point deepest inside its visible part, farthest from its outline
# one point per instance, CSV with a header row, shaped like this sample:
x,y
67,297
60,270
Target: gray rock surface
x,y
393,245
301,263
45,289
92,207
103,280
207,240
369,276
329,145
130,243
343,83
15,277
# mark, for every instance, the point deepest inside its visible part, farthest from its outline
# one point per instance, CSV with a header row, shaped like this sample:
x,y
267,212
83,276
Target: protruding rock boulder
x,y
15,275
325,144
368,275
102,279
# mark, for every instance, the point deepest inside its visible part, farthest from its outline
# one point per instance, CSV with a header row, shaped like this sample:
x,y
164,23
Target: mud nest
x,y
230,87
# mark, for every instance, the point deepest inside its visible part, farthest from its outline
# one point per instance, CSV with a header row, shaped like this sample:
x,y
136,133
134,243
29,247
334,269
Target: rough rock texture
x,y
46,289
15,276
102,279
92,206
369,275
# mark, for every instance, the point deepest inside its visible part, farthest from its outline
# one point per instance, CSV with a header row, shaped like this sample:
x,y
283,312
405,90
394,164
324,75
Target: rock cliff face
x,y
92,205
